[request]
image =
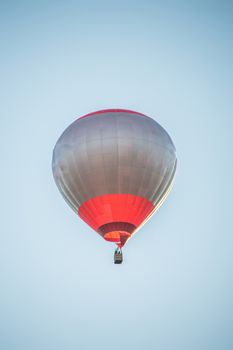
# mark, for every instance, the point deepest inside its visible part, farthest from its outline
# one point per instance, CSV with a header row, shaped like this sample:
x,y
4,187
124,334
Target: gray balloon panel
x,y
114,152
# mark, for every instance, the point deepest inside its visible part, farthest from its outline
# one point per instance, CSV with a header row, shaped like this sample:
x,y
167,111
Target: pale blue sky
x,y
59,288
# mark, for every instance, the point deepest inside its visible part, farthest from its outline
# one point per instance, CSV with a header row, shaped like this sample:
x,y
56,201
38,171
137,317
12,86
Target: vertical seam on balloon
x,y
156,189
77,173
118,156
132,162
104,166
73,187
160,187
66,190
80,191
59,185
169,186
145,170
95,209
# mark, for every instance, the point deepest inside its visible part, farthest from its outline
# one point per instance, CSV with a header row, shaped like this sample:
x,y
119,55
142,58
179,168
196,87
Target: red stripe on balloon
x,y
109,208
112,111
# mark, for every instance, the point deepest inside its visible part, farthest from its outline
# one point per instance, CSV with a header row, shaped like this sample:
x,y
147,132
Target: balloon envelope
x,y
114,168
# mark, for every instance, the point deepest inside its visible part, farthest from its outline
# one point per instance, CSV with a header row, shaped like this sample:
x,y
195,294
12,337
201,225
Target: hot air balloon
x,y
114,168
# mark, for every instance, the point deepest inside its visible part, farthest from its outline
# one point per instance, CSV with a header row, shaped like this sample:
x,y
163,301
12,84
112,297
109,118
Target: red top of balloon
x,y
111,111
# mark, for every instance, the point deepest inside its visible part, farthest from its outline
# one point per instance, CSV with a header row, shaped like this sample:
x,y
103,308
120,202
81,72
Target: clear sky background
x,y
59,288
